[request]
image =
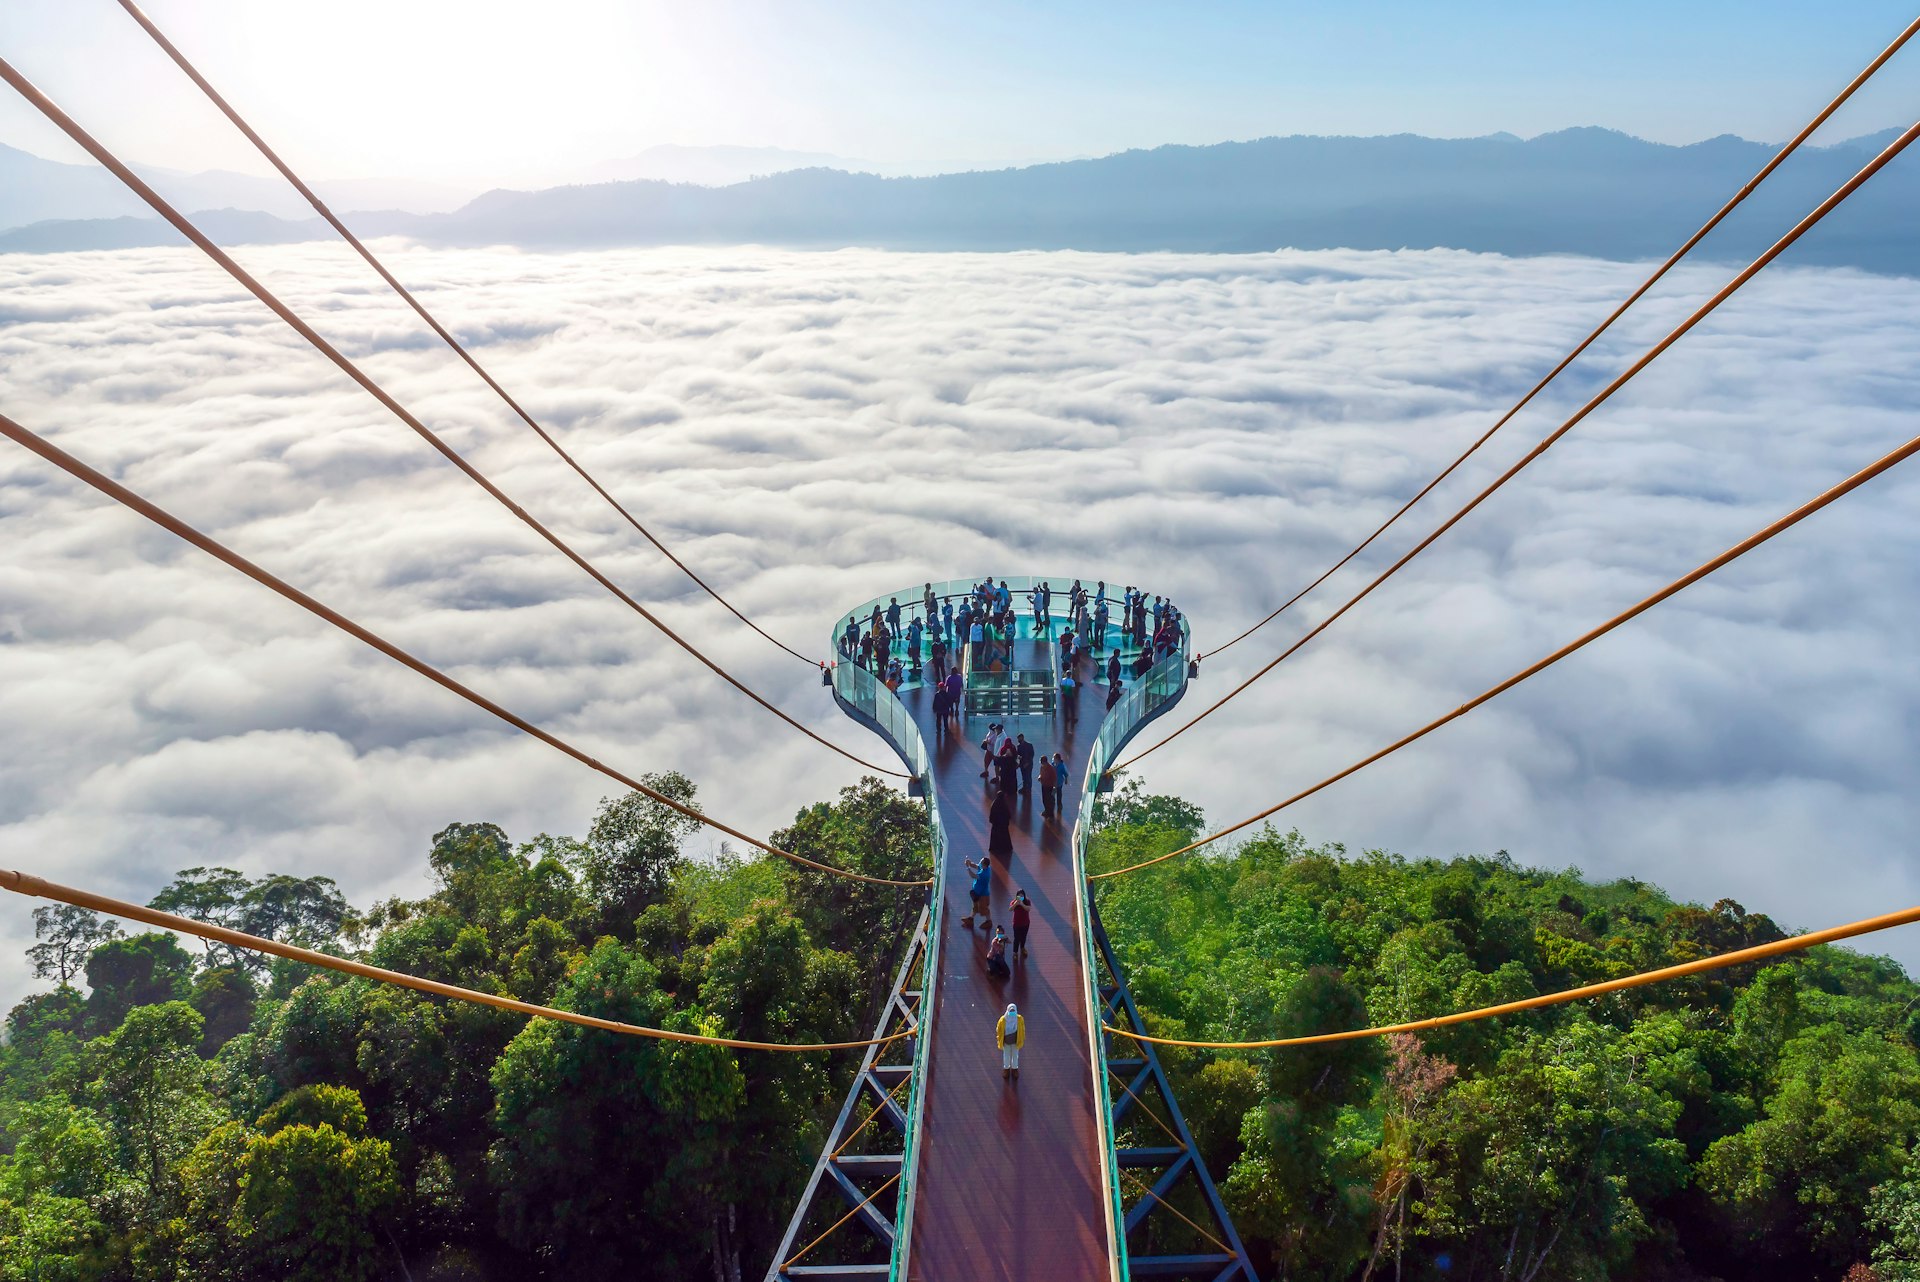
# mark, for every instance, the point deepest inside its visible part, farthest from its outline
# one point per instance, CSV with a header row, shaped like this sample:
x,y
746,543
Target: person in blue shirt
x,y
893,615
914,629
982,888
946,621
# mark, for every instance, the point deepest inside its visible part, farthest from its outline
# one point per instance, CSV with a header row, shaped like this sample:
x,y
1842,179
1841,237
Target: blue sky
x,y
433,88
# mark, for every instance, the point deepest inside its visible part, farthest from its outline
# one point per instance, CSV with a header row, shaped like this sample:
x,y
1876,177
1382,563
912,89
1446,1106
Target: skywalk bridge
x,y
936,1169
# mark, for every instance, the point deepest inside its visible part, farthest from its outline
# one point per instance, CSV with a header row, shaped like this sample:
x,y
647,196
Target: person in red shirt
x,y
1022,918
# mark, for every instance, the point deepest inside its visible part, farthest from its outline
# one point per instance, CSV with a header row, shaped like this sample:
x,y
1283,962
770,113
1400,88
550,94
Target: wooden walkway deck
x,y
1010,1185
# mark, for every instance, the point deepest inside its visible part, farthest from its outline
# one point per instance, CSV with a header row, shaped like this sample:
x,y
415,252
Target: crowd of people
x,y
938,638
977,628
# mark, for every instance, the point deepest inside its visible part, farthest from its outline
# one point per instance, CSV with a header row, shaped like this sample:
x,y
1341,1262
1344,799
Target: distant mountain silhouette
x,y
34,189
1580,191
717,166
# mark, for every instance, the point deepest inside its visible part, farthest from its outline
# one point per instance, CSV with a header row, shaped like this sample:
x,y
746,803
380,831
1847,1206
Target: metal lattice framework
x,y
843,1229
1175,1224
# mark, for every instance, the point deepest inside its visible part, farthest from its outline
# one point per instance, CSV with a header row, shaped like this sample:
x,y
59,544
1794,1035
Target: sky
x,y
810,430
486,91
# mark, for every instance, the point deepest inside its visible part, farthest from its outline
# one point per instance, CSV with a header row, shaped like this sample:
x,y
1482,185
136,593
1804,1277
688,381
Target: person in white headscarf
x,y
1010,1030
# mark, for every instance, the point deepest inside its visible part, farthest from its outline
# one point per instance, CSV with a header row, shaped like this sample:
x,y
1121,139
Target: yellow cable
x,y
1726,291
52,111
26,884
320,207
1146,1188
887,1099
1779,157
891,1180
1738,957
221,552
1733,553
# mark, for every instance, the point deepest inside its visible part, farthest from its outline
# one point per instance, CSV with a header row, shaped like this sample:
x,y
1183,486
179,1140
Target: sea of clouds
x,y
811,429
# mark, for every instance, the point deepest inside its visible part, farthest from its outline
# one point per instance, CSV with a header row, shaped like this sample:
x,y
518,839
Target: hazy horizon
x,y
342,90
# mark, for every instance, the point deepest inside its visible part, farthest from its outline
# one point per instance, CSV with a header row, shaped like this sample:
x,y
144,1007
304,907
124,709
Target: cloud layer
x,y
809,430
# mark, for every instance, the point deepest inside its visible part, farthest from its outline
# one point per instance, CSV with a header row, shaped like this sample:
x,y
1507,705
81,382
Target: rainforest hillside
x,y
180,1113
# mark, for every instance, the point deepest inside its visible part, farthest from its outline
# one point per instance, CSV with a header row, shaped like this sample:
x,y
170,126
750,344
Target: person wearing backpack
x,y
1010,1032
1049,786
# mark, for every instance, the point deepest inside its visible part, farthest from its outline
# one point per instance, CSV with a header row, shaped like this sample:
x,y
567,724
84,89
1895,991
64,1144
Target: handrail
x,y
917,1093
865,695
1120,724
1113,1207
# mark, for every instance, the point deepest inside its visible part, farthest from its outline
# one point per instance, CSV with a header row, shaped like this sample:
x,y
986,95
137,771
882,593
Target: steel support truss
x,y
847,1211
1176,1226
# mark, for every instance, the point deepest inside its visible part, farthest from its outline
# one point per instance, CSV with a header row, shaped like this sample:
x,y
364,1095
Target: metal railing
x,y
866,696
1147,697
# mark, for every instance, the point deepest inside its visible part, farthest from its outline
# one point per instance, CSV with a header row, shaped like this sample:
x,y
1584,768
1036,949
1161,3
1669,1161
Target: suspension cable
x,y
52,111
213,547
320,207
1792,145
1826,207
1733,553
40,888
1738,957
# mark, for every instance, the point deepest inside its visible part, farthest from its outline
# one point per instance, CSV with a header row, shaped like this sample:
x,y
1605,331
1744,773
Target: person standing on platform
x,y
982,888
1049,786
1000,826
1023,752
893,616
1022,910
946,624
1007,768
1113,667
990,746
977,643
1010,1032
939,658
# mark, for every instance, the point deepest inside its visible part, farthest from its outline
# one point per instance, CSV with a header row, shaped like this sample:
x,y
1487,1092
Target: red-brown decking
x,y
1010,1181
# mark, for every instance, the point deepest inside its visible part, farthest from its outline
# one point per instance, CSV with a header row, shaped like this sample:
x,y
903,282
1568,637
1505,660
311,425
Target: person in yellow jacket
x,y
1010,1031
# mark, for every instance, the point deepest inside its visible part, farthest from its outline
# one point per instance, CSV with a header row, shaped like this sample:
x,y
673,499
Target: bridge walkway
x,y
1010,1183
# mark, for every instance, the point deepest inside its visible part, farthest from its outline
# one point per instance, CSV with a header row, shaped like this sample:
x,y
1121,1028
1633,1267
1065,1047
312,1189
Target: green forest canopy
x,y
196,1114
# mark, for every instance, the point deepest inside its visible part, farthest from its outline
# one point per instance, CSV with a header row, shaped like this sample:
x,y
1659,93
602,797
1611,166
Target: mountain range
x,y
1584,191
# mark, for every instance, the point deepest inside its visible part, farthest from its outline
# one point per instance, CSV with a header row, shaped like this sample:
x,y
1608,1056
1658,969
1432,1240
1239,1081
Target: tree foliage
x,y
194,1117
1755,1121
201,1117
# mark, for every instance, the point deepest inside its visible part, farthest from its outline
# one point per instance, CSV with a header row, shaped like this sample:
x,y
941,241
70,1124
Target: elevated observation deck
x,y
1008,1180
